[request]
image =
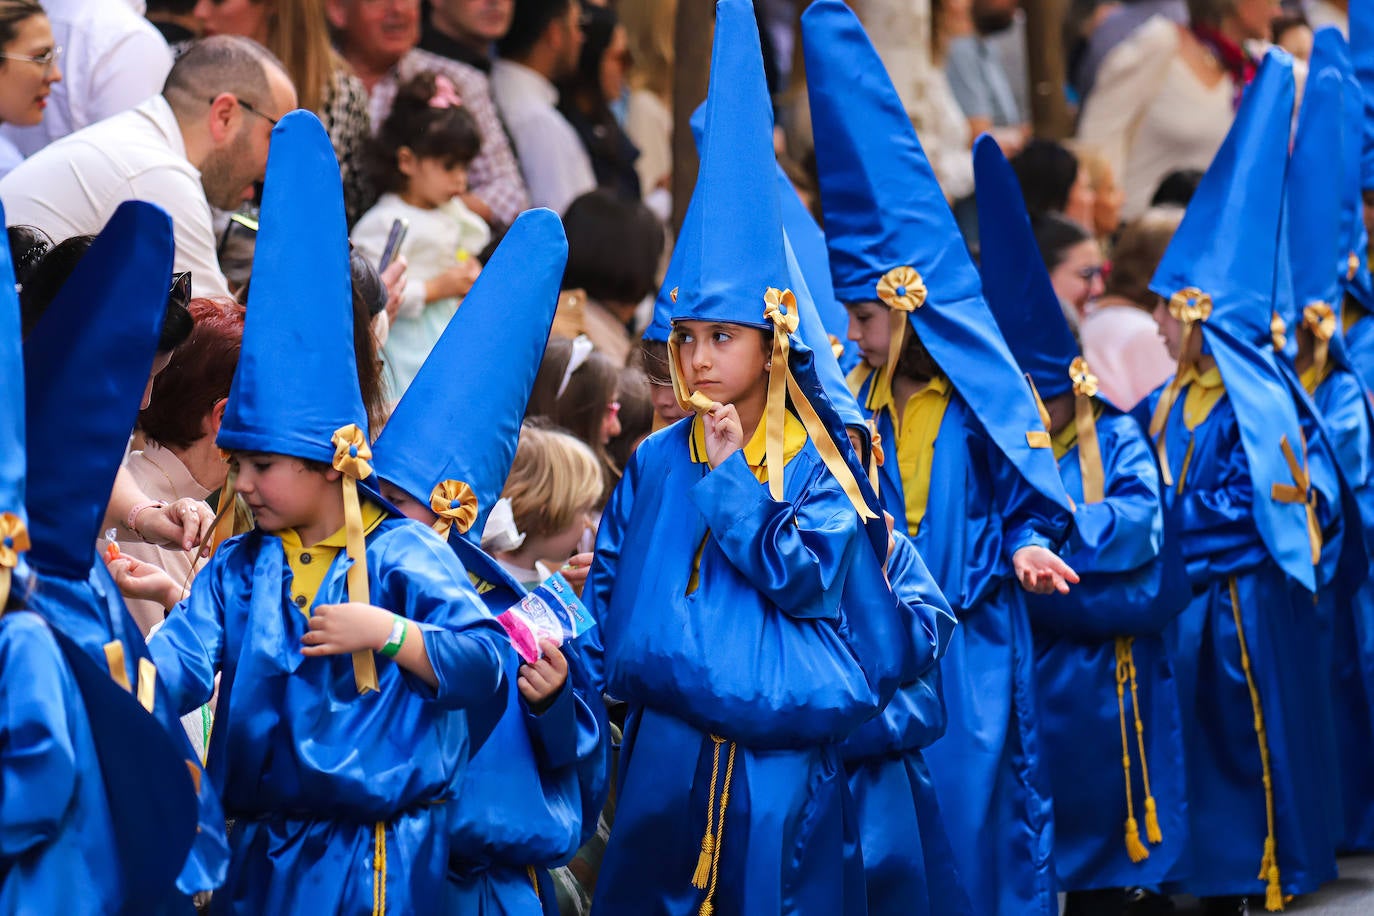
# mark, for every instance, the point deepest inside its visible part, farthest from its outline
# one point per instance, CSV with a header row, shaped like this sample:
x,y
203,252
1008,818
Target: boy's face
x,y
1170,328
725,362
282,492
665,403
870,328
410,506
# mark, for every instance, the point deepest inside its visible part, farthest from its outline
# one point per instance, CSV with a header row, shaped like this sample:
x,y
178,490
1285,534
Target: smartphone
x,y
393,243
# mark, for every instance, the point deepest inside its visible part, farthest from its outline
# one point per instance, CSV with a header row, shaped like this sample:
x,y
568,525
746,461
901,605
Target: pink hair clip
x,y
445,94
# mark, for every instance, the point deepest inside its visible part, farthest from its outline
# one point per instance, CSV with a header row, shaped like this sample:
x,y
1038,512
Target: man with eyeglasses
x,y
202,143
112,60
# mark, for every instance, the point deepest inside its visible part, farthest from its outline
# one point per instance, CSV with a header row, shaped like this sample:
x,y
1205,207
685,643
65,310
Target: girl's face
x,y
870,328
723,361
610,422
665,404
409,506
614,63
430,181
24,84
233,17
1078,278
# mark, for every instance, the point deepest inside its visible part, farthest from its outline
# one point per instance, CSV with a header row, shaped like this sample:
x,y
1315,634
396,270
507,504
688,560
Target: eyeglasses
x,y
47,60
251,109
613,408
1089,274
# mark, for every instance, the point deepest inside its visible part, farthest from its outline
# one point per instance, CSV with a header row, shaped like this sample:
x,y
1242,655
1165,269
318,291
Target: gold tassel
x,y
1134,848
1152,831
707,906
701,878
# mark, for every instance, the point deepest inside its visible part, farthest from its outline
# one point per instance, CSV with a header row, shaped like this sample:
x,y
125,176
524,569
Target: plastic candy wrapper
x,y
552,611
111,546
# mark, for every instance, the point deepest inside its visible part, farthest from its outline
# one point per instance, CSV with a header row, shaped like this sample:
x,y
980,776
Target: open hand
x,y
1041,571
540,682
724,434
340,629
145,581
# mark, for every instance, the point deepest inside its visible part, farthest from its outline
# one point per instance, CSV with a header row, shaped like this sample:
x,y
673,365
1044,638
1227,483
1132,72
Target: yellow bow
x,y
780,308
1189,305
455,504
1085,425
14,540
351,454
1300,492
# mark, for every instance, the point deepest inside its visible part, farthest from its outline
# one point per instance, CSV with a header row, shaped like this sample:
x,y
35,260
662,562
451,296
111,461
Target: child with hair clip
x,y
730,565
576,390
420,160
532,792
357,662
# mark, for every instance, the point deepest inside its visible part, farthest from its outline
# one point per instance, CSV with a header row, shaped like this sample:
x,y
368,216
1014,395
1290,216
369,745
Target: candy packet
x,y
111,546
552,611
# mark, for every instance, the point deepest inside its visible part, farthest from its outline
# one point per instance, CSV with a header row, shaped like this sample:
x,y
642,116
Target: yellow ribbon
x,y
1278,331
1089,453
1320,319
1190,306
1300,492
1352,266
780,308
455,504
351,455
114,661
14,540
1039,438
903,291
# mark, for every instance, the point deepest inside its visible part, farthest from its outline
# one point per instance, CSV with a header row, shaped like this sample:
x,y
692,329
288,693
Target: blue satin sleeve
x,y
1359,346
425,582
596,593
929,621
792,553
1341,400
554,731
1217,531
1126,529
38,766
1030,519
187,648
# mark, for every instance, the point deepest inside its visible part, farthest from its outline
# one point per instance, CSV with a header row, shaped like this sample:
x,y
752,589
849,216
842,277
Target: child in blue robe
x,y
338,772
729,564
1106,687
969,474
90,355
532,794
1230,442
1358,314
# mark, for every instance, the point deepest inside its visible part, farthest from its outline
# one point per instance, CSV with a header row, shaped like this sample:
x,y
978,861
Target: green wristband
x,y
397,637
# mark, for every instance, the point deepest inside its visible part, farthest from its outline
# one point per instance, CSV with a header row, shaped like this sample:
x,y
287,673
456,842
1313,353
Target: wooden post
x,y
1050,115
691,73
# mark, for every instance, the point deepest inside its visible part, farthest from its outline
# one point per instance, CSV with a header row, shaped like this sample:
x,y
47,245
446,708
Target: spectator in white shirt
x,y
542,46
28,69
113,59
202,142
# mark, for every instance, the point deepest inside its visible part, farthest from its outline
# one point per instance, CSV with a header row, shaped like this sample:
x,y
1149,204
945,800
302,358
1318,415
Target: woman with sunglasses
x,y
28,68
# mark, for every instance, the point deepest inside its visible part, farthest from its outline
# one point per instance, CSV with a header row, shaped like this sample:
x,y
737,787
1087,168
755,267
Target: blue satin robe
x,y
57,839
531,795
1226,807
989,767
91,613
766,654
1116,548
311,770
1359,345
1341,400
908,863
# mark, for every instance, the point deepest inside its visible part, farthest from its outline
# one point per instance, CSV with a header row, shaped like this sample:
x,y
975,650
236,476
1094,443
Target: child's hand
x,y
1041,571
541,681
454,282
136,579
724,434
339,629
576,570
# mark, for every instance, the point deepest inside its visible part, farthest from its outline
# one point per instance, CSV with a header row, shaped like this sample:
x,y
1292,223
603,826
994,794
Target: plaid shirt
x,y
494,175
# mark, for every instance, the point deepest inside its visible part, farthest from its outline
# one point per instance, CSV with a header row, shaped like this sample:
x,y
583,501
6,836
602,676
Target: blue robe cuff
x,y
554,731
467,665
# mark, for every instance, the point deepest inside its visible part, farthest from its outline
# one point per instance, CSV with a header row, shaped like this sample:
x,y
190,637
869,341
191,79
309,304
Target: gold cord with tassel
x,y
1134,848
1152,831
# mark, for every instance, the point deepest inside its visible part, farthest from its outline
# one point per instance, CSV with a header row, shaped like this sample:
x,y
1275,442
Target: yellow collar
x,y
1312,379
373,515
793,437
1204,391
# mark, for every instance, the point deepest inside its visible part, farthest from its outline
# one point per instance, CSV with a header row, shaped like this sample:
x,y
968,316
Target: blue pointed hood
x,y
732,263
813,333
13,516
1329,45
460,419
1223,264
297,381
1228,241
1015,281
89,357
687,246
1362,55
808,246
885,215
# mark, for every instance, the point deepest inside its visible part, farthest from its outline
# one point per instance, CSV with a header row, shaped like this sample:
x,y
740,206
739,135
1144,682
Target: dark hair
x,y
636,415
366,287
28,245
1138,252
1177,188
449,134
199,375
1054,236
581,409
915,361
176,7
367,284
530,20
1046,172
614,247
653,362
14,12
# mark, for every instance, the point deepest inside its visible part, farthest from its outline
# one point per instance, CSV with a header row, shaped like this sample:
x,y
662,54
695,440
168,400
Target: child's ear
x,y
333,475
405,161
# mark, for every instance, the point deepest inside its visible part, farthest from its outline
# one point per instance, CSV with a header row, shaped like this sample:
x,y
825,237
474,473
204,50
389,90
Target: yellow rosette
x,y
455,504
